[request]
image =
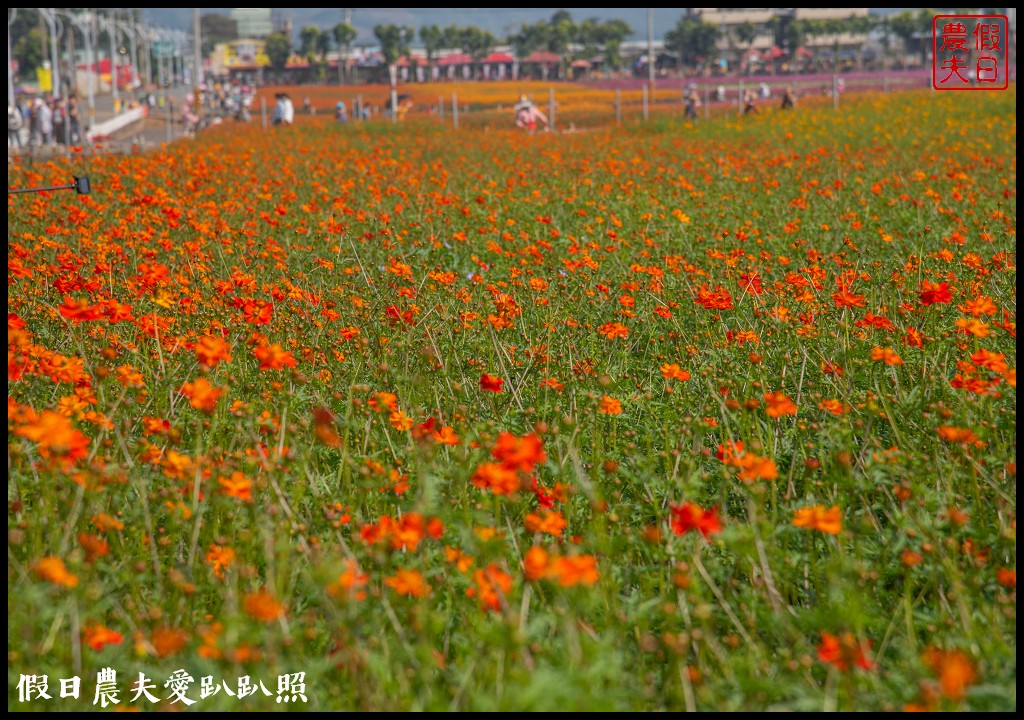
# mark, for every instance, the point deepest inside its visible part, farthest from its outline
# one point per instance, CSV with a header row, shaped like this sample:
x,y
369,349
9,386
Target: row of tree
x,y
558,35
694,41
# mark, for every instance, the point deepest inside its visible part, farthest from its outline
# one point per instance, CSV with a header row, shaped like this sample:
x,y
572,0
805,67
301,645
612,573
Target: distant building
x,y
253,22
763,45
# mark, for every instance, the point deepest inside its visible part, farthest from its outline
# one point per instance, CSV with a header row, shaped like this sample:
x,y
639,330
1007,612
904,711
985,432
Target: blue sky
x,y
500,21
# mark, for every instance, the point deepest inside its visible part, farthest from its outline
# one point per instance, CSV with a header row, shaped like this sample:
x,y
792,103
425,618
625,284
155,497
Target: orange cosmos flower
x,y
552,383
717,299
94,546
499,478
129,377
408,582
954,668
408,531
167,641
690,516
349,584
834,406
1007,577
612,330
610,406
981,305
956,434
817,517
886,355
575,570
99,636
236,486
52,569
519,453
201,394
778,404
491,383
211,350
400,421
220,558
106,523
549,521
730,452
672,371
972,326
845,298
996,362
844,651
461,560
80,310
491,585
57,438
756,467
274,357
384,401
262,606
535,563
932,293
446,436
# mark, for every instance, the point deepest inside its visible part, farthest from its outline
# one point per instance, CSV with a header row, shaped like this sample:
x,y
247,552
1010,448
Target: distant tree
x,y
694,40
215,30
588,36
278,47
882,24
451,37
611,34
561,32
816,29
924,25
394,41
528,39
859,25
793,36
344,34
477,43
309,36
314,44
29,46
746,33
904,26
432,37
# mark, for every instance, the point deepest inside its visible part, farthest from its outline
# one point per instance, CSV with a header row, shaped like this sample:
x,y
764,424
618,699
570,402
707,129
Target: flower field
x,y
649,417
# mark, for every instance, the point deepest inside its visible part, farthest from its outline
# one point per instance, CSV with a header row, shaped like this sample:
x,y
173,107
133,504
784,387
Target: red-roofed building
x,y
457,66
541,64
498,66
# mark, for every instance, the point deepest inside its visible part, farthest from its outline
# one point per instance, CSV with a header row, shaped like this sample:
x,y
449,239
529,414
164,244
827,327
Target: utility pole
x,y
650,48
12,13
197,51
49,14
112,30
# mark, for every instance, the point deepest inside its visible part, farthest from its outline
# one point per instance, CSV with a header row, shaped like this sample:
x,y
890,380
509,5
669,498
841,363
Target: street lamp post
x,y
51,19
143,34
11,15
84,23
129,30
110,25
